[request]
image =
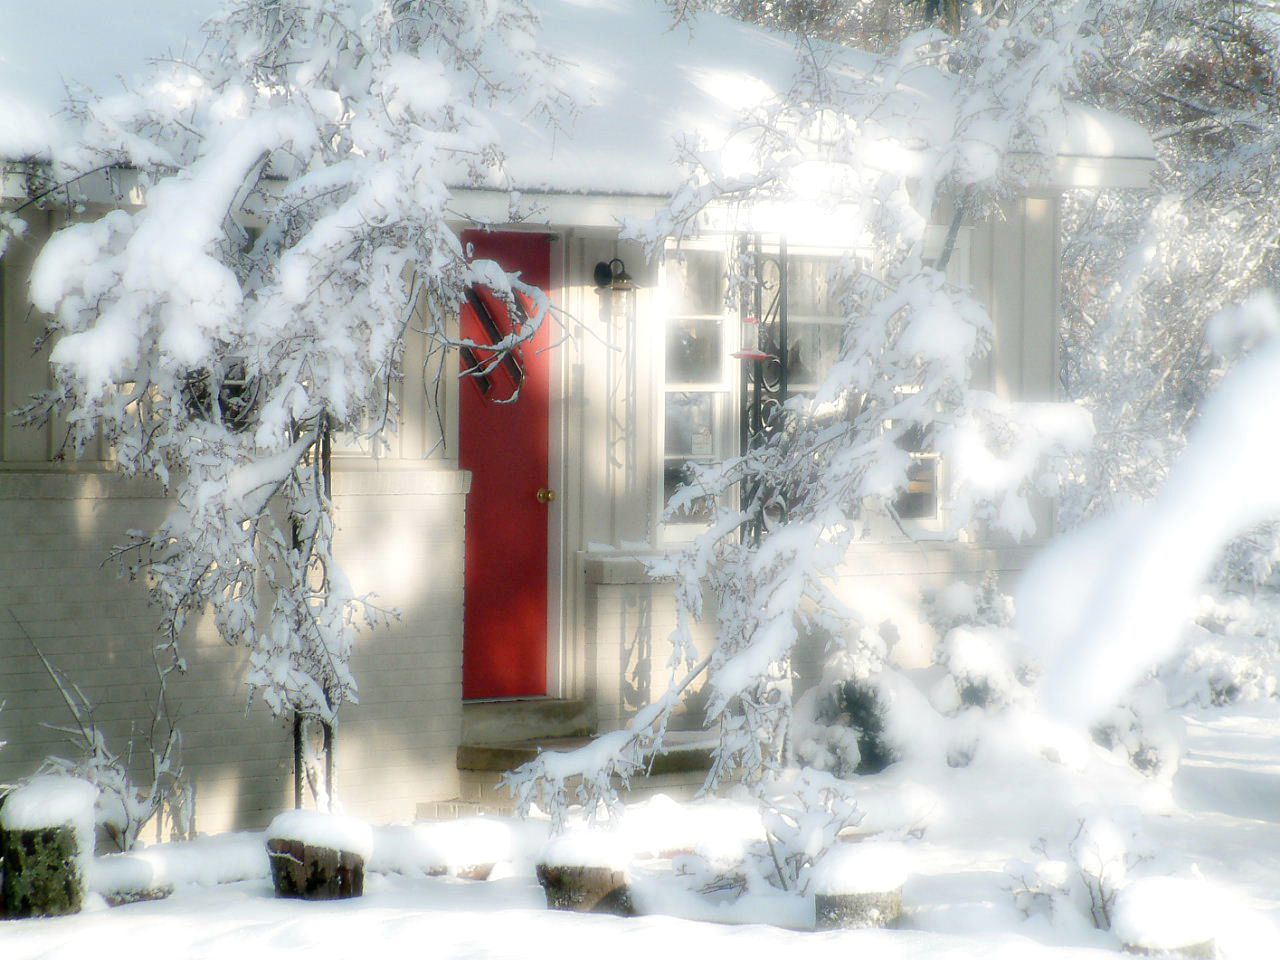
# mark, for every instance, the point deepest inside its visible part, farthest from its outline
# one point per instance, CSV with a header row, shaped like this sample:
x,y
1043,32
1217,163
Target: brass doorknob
x,y
546,495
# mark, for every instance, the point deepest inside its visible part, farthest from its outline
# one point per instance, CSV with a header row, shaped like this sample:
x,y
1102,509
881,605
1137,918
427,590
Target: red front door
x,y
506,447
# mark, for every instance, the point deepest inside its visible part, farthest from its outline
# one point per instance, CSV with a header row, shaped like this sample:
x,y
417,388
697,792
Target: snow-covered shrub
x,y
840,728
963,604
987,666
983,657
123,806
861,705
1143,731
1079,878
802,822
1231,653
839,724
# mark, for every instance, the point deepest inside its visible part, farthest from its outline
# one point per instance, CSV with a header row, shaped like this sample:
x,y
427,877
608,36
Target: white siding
x,y
399,533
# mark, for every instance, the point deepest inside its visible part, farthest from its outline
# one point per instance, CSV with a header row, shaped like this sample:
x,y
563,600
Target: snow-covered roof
x,y
644,84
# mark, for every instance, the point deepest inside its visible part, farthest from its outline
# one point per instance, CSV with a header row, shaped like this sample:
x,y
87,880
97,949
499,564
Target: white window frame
x,y
881,529
726,387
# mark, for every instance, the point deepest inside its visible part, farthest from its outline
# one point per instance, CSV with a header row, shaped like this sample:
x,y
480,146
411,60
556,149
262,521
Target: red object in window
x,y
506,448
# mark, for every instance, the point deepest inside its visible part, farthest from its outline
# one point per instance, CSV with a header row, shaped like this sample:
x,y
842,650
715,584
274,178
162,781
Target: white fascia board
x,y
1071,172
555,209
112,187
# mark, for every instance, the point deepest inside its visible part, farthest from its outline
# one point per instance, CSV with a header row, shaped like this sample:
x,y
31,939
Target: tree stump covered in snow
x,y
836,911
318,856
586,873
46,839
586,889
1165,917
858,885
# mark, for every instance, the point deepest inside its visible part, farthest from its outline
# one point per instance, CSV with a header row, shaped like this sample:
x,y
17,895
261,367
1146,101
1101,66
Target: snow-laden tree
x,y
296,169
788,510
1144,274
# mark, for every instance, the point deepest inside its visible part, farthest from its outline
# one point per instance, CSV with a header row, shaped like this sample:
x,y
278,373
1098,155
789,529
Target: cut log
x,y
851,911
1166,917
308,872
475,871
121,898
1194,951
859,884
42,875
586,889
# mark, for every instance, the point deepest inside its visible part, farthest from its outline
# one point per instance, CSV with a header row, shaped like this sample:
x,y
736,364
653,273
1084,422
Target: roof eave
x,y
1076,171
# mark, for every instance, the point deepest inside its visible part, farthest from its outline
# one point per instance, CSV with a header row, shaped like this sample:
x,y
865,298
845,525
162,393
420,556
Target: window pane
x,y
694,350
920,501
675,473
691,425
811,350
809,286
695,282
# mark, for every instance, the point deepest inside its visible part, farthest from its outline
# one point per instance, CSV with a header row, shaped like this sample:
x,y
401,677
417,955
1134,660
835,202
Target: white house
x,y
482,659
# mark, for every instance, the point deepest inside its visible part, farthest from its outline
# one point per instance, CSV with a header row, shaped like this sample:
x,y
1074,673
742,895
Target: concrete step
x,y
500,721
687,752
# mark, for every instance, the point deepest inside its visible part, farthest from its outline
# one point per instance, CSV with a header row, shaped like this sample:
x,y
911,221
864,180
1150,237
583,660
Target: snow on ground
x,y
1224,826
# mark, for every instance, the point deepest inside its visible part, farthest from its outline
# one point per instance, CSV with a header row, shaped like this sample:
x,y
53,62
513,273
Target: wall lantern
x,y
617,292
618,318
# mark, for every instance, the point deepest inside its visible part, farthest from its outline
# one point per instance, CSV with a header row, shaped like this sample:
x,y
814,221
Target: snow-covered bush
x,y
963,604
1230,654
1080,877
123,806
860,706
1144,731
987,666
839,724
802,822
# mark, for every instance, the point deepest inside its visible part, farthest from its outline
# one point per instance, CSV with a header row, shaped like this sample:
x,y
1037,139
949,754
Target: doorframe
x,y
557,679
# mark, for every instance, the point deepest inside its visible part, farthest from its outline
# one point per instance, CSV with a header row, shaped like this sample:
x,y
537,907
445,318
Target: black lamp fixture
x,y
613,273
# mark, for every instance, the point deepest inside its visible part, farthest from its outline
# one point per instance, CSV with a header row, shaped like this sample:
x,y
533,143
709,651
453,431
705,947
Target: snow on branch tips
x,y
295,232
856,139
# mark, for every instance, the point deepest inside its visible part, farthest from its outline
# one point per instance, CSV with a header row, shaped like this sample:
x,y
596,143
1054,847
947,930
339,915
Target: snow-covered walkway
x,y
1229,824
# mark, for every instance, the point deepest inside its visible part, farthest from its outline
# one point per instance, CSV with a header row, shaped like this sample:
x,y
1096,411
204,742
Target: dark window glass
x,y
695,283
694,350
